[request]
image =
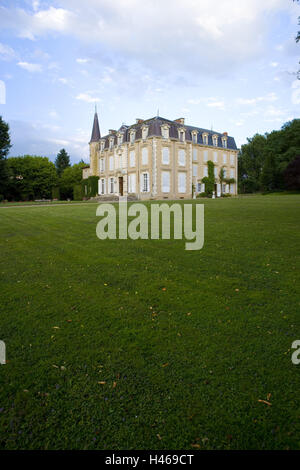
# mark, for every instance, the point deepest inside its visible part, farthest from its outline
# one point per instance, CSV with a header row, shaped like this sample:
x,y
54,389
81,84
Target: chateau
x,y
160,159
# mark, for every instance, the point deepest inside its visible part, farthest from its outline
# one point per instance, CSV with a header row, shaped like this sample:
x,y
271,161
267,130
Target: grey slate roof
x,y
96,129
155,124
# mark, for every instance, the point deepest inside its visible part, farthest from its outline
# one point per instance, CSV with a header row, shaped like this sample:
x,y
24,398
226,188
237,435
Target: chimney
x,y
180,121
139,121
225,134
112,131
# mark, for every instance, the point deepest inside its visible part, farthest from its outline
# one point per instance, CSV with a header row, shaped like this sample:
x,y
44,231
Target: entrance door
x,y
121,185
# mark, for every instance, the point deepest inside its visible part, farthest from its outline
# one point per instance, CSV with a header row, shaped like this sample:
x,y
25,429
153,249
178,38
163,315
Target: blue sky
x,y
228,65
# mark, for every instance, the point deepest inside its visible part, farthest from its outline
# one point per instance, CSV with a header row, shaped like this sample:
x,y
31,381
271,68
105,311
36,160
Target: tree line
x,y
271,162
31,177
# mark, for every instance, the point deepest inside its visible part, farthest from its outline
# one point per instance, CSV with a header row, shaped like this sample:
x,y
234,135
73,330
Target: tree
x,y
210,180
222,178
69,178
30,177
62,161
292,175
5,145
250,163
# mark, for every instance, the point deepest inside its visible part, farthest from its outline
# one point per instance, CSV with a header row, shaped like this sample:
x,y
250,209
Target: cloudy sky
x,y
229,65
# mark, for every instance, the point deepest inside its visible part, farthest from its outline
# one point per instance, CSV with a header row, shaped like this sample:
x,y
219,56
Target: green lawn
x,y
184,343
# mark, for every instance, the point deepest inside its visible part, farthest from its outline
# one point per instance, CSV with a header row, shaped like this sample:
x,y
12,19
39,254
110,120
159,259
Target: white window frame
x,y
165,159
232,159
132,137
205,171
215,157
131,183
145,156
166,181
195,170
145,182
181,188
195,155
132,158
165,132
181,157
144,133
224,143
102,165
111,185
111,163
102,186
205,139
205,157
215,141
232,173
224,159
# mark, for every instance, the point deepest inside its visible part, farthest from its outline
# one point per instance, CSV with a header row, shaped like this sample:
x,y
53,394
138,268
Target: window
x,y
144,133
101,186
145,156
102,164
224,142
111,163
111,144
181,135
232,159
102,143
195,155
231,189
231,173
181,182
120,139
131,183
132,137
215,141
111,185
199,187
165,132
205,171
181,157
225,173
132,158
165,181
145,182
165,156
215,157
205,139
194,138
216,172
224,158
195,170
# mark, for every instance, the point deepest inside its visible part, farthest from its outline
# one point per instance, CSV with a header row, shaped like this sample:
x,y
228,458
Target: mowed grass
x,y
143,345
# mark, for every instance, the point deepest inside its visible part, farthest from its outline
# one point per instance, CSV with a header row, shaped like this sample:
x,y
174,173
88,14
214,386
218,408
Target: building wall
x,y
192,167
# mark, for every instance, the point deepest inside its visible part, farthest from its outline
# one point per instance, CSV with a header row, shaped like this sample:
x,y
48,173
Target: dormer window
x,y
144,132
102,144
132,137
215,140
120,139
111,144
224,142
165,132
205,139
181,135
194,137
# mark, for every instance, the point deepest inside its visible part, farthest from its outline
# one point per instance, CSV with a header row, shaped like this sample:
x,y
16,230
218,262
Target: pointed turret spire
x,y
96,129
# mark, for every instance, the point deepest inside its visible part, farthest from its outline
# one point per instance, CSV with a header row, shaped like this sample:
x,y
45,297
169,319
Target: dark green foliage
x,y
55,193
77,192
5,145
209,180
263,160
62,161
292,175
90,186
70,177
30,177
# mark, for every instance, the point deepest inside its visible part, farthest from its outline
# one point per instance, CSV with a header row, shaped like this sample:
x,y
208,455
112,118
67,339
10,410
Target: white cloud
x,y
274,64
30,67
82,61
6,52
87,98
270,97
216,104
188,36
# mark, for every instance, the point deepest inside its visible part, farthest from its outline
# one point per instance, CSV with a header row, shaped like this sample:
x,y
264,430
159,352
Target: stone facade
x,y
160,159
